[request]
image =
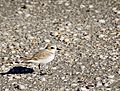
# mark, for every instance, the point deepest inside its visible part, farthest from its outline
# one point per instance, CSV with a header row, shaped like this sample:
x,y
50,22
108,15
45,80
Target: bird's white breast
x,y
45,60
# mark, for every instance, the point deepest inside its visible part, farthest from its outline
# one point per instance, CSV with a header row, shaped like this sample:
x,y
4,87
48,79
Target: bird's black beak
x,y
58,49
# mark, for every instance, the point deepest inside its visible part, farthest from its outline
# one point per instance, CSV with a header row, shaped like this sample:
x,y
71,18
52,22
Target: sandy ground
x,y
86,32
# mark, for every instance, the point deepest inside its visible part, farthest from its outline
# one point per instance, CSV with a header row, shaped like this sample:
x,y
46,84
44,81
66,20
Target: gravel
x,y
86,32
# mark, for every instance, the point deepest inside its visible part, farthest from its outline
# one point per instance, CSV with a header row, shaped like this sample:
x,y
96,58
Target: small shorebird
x,y
43,56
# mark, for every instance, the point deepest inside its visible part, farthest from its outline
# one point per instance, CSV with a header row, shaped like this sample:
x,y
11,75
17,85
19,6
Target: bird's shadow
x,y
19,70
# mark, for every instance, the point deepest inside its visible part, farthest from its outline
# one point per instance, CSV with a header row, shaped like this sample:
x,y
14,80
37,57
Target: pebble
x,y
22,87
11,78
103,57
102,21
54,68
43,79
74,85
17,76
119,71
56,33
114,9
111,76
13,51
27,15
108,89
3,67
91,6
6,58
62,38
88,37
75,35
118,26
61,1
47,40
66,40
19,12
118,12
6,89
82,6
99,83
29,78
97,11
68,30
67,4
98,78
101,35
84,89
63,77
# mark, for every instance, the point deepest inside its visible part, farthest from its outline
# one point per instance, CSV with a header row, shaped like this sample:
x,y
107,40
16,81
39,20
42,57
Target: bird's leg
x,y
40,70
39,66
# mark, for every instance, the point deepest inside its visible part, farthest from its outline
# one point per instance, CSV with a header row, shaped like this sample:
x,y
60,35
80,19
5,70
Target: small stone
x,y
6,89
66,54
61,38
62,29
111,81
97,11
67,40
79,28
108,89
98,78
63,78
11,47
118,26
43,79
19,12
101,36
11,78
68,30
67,4
106,84
84,89
6,58
74,84
91,6
62,89
13,51
26,53
18,56
61,1
22,87
99,84
88,27
111,76
75,35
56,33
114,9
119,71
77,73
54,68
47,40
103,57
88,37
82,6
27,15
102,21
29,78
17,77
118,12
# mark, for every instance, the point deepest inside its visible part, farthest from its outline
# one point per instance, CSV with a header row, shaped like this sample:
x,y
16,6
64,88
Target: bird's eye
x,y
52,47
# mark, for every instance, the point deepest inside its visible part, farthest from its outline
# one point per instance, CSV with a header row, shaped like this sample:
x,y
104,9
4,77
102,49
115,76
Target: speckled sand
x,y
86,32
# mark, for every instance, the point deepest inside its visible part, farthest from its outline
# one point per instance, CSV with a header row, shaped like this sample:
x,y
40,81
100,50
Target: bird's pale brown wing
x,y
40,55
